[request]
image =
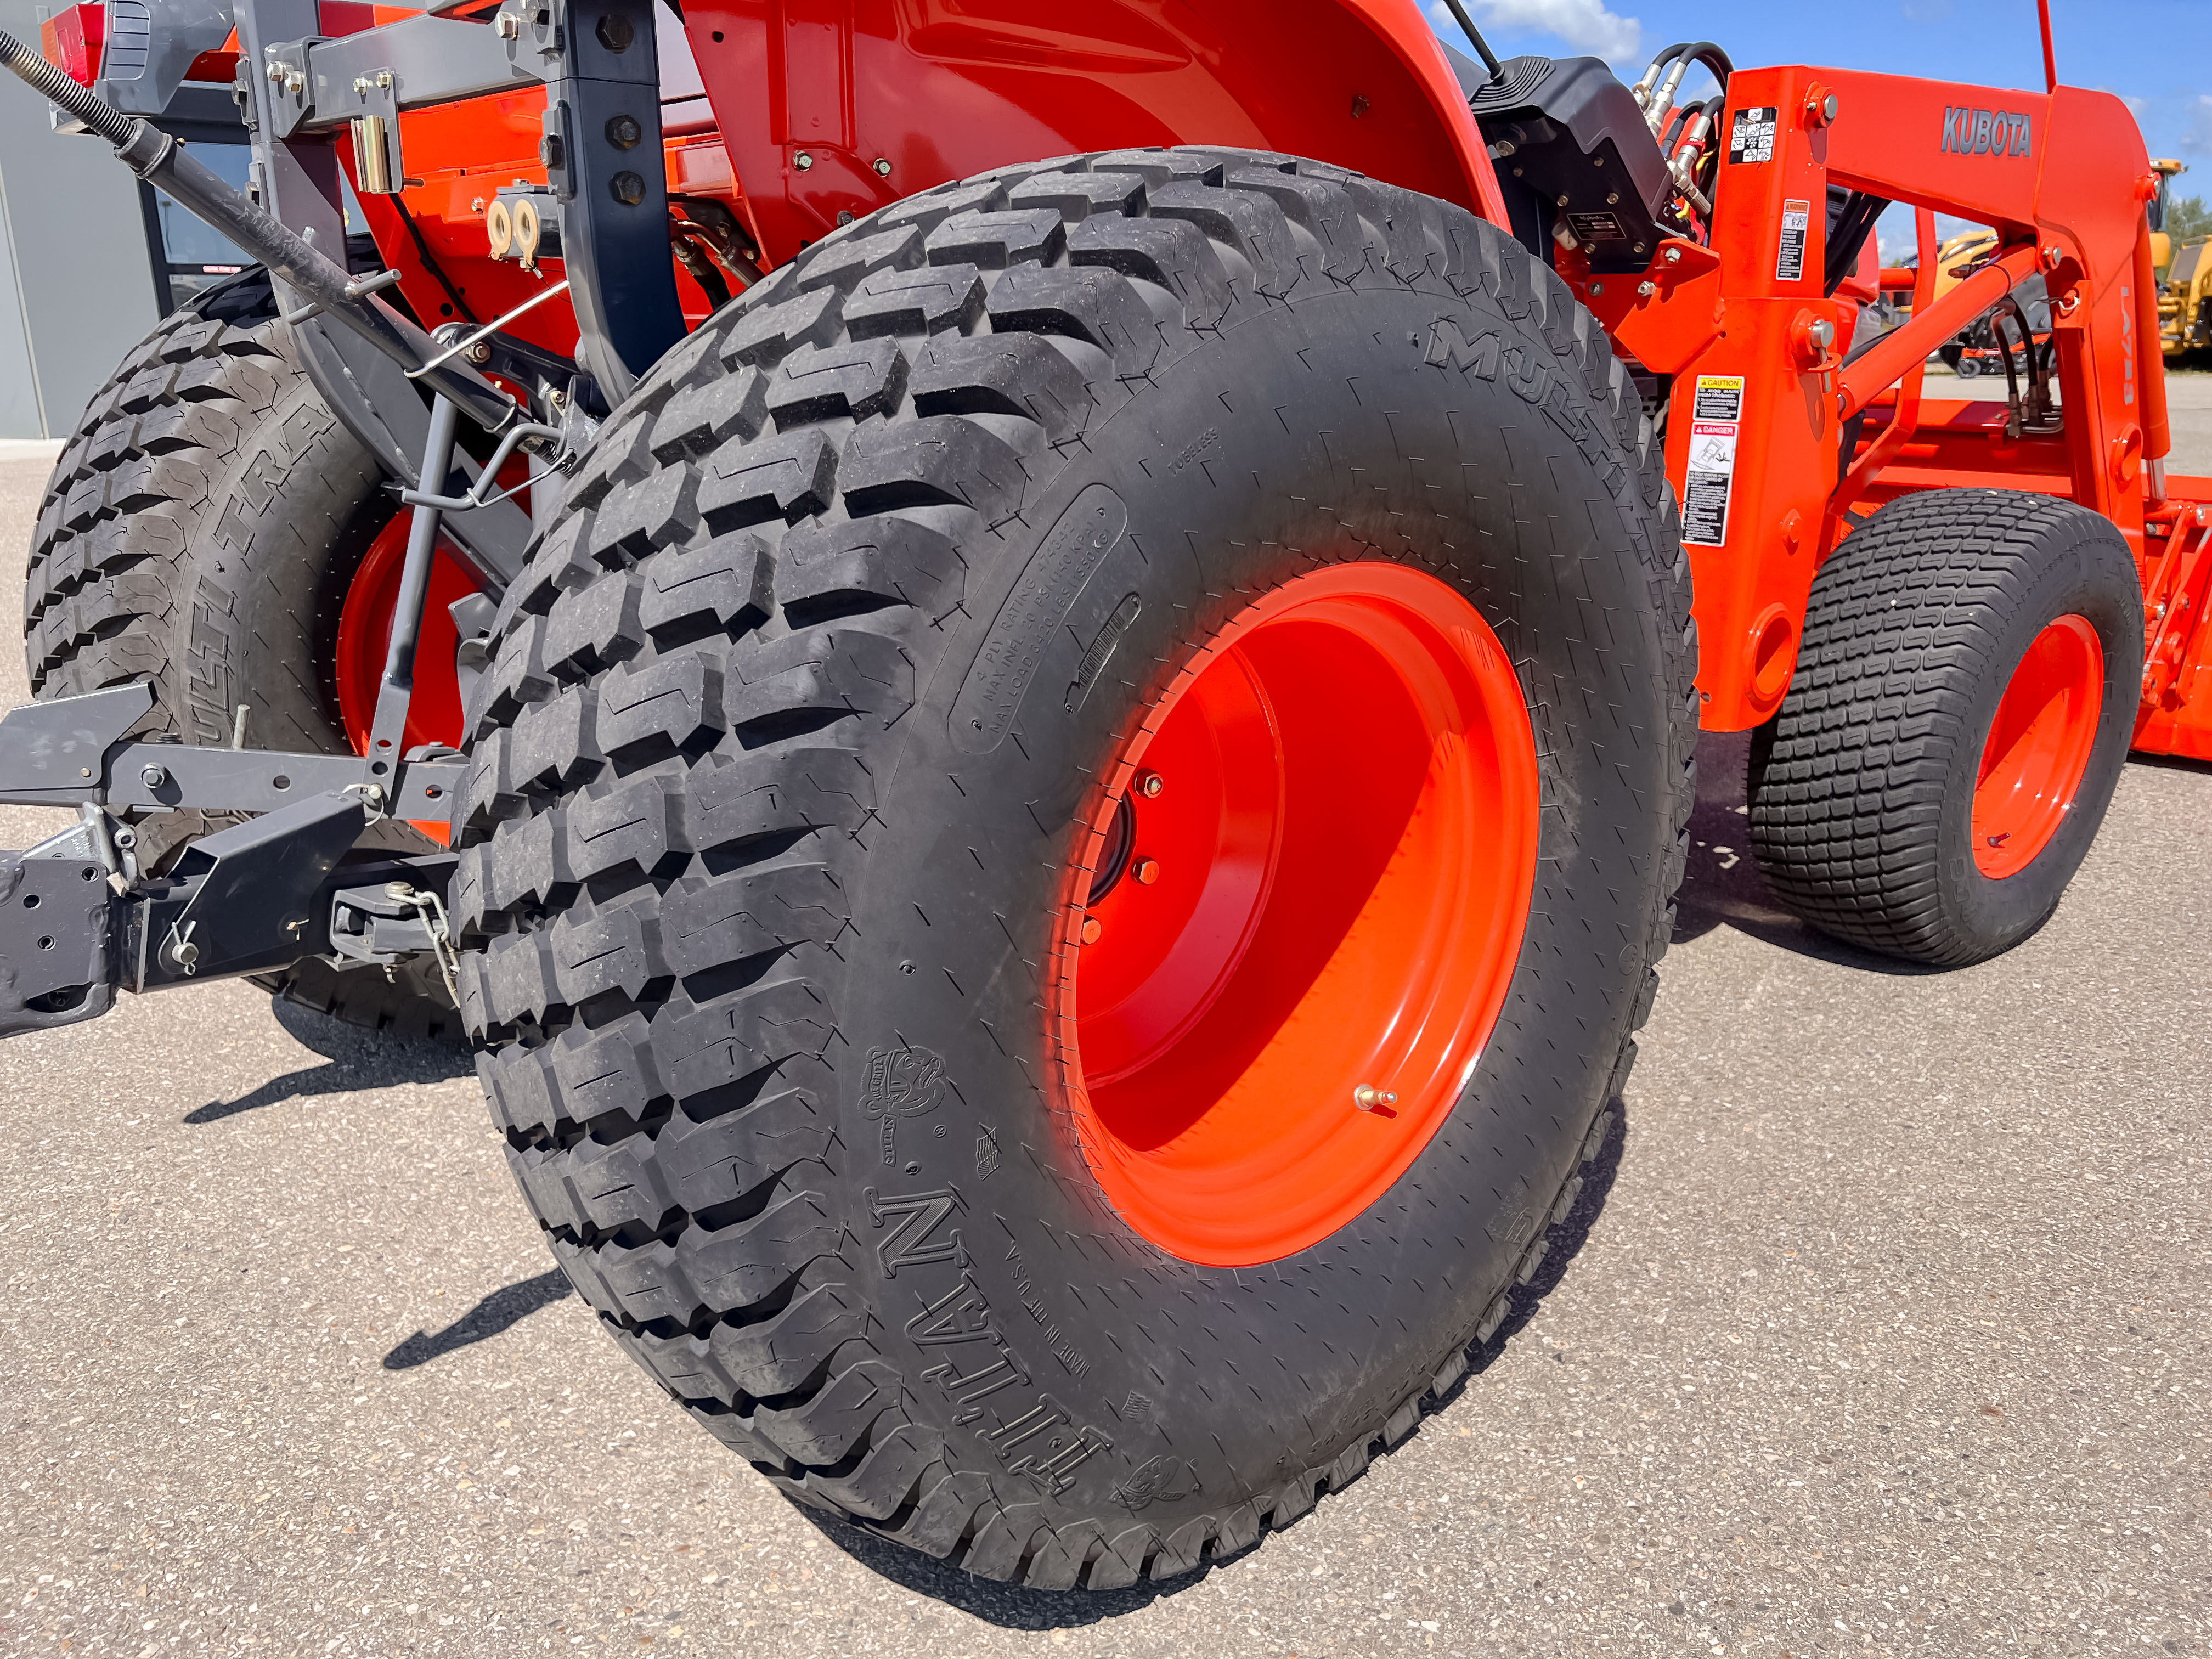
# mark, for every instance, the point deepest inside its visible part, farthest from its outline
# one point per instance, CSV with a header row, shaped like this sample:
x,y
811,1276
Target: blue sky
x,y
2156,54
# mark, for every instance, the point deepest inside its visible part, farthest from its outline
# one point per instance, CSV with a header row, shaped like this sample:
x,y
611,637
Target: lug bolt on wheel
x,y
1146,871
1148,784
1092,930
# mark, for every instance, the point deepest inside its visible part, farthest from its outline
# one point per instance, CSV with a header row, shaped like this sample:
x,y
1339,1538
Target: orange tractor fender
x,y
836,111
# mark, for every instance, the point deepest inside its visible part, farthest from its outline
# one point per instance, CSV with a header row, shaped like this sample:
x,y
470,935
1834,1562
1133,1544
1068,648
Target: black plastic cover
x,y
1569,143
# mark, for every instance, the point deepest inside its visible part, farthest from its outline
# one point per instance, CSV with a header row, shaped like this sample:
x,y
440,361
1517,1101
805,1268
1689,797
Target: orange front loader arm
x,y
1764,399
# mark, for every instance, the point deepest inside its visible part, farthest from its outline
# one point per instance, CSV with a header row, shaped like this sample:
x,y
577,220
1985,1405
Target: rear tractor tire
x,y
203,529
1955,726
1064,839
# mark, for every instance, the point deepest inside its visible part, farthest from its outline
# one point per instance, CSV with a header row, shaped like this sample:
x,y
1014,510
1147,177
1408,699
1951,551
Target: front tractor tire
x,y
1955,726
205,529
1064,839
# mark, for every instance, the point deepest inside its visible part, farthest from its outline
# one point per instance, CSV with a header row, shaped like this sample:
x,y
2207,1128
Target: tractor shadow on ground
x,y
504,1308
1722,886
354,1059
1013,1607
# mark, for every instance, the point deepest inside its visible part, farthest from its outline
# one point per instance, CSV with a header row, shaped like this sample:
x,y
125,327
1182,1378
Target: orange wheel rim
x,y
1300,900
2039,746
434,714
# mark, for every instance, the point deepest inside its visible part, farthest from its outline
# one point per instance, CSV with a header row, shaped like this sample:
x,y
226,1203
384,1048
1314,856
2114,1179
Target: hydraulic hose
x,y
161,161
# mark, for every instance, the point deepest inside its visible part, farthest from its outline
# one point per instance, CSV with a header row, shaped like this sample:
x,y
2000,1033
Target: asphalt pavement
x,y
1887,1333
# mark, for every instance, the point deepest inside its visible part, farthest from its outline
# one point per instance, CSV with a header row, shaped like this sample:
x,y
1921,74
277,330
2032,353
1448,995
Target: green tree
x,y
2188,219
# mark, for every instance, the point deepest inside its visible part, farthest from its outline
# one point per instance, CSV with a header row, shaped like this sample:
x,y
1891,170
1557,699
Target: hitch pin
x,y
358,290
490,328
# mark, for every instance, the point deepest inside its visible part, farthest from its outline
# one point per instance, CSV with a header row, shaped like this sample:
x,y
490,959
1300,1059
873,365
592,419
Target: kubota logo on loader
x,y
1986,133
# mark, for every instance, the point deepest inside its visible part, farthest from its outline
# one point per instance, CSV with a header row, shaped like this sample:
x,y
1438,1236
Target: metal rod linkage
x,y
388,727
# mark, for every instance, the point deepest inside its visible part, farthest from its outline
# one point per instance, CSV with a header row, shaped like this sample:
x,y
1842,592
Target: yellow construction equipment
x,y
2184,287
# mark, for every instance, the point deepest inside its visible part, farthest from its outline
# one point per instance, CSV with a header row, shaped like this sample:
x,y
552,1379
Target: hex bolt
x,y
480,352
507,26
883,167
1092,930
624,131
1369,1098
276,73
153,776
1672,256
1145,871
628,188
802,162
1150,784
1645,290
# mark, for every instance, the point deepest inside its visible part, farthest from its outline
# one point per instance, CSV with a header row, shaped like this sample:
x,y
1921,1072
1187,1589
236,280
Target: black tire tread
x,y
138,474
1850,782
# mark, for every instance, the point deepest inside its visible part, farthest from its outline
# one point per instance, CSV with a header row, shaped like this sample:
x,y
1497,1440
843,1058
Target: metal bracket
x,y
602,153
419,62
379,166
55,753
247,899
56,931
71,749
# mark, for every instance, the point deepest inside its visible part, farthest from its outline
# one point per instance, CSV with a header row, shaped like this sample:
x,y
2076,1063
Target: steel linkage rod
x,y
388,727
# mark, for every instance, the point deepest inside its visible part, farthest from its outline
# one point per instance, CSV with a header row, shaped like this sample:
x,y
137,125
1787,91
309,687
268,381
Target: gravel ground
x,y
1887,1335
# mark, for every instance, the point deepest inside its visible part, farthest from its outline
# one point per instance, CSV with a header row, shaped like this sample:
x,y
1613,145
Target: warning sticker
x,y
1719,397
1790,263
1716,419
1752,137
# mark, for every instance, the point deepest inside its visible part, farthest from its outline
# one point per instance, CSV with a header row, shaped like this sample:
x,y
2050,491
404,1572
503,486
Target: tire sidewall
x,y
262,586
963,1006
2094,577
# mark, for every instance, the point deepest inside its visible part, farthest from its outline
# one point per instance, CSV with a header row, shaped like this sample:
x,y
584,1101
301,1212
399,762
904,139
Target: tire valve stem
x,y
1369,1098
2000,838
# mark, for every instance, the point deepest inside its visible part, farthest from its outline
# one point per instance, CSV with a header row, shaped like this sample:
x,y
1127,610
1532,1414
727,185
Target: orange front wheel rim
x,y
1298,907
2039,746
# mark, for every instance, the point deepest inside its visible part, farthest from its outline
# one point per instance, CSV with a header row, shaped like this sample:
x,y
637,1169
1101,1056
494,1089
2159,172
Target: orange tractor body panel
x,y
809,114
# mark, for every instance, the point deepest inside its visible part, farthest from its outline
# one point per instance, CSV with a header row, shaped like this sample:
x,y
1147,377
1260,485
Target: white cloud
x,y
1583,26
2196,137
2136,105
